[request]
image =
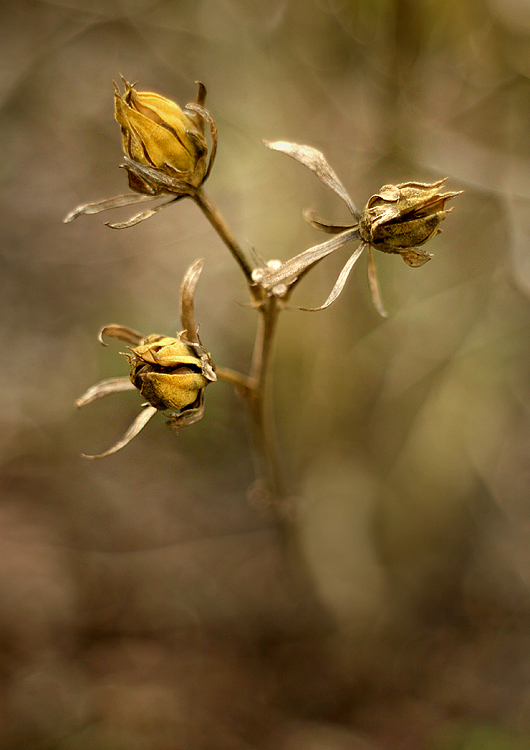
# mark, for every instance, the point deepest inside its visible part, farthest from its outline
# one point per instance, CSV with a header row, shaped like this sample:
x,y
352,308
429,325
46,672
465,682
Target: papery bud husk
x,y
167,373
401,218
156,133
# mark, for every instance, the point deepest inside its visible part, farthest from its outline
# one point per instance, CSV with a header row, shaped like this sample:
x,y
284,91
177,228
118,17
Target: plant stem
x,y
254,388
260,403
223,230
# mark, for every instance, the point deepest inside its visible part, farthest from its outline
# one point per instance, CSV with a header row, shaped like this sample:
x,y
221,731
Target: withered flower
x,y
165,149
398,219
170,373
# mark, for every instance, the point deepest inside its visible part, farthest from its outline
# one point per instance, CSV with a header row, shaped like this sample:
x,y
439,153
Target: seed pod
x,y
167,373
400,218
156,133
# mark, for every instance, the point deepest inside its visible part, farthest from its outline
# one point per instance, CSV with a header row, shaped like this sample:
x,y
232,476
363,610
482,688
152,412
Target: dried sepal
x,y
139,217
137,426
187,299
104,388
204,116
106,205
373,284
340,283
324,226
290,271
122,333
315,161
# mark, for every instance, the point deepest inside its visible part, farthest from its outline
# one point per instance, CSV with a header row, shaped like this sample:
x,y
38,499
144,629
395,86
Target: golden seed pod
x,y
167,373
156,133
402,217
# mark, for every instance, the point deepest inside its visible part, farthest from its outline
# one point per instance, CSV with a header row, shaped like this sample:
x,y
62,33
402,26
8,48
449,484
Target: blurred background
x,y
144,602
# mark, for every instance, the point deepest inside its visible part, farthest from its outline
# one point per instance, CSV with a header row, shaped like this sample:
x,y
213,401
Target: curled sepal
x,y
205,116
106,205
339,284
322,225
315,161
137,426
373,284
104,388
137,218
187,295
123,333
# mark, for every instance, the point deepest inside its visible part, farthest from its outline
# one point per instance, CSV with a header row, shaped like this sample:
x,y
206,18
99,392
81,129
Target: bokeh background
x,y
144,601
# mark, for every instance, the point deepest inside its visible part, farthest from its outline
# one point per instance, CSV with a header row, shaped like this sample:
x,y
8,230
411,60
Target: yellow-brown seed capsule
x,y
402,217
156,133
167,373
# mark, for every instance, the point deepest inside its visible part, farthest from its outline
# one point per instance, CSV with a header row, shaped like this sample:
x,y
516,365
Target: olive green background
x,y
143,599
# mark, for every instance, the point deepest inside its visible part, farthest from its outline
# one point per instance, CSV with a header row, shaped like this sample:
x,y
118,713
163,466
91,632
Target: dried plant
x,y
166,154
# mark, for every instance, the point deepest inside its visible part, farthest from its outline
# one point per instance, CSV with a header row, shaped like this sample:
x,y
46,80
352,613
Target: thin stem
x,y
254,388
225,233
260,402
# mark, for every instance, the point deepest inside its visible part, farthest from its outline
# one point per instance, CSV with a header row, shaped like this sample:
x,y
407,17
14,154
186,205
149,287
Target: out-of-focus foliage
x,y
143,602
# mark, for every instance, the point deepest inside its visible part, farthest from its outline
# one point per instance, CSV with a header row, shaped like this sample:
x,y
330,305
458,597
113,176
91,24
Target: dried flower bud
x,y
167,372
157,134
402,217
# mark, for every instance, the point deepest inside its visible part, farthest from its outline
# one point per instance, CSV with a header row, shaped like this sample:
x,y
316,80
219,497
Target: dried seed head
x,y
400,218
157,134
167,372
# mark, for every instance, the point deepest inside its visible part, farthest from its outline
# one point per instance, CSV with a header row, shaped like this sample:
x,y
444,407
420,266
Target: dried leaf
x,y
137,426
315,161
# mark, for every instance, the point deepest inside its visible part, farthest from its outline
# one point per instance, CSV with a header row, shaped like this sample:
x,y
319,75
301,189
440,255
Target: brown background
x,y
143,602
